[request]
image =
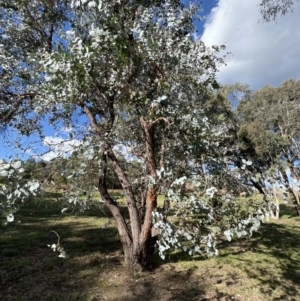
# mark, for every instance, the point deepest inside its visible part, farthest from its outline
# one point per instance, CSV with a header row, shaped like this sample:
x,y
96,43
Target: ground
x,y
266,267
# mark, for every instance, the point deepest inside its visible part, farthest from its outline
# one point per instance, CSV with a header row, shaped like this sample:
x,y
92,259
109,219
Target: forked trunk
x,y
138,257
138,249
138,244
275,213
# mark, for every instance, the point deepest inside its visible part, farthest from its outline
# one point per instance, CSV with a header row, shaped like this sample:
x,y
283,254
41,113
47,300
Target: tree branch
x,y
113,207
8,114
126,185
158,120
98,128
156,67
51,31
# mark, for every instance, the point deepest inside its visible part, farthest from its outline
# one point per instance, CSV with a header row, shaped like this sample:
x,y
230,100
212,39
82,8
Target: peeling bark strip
x,y
151,200
148,130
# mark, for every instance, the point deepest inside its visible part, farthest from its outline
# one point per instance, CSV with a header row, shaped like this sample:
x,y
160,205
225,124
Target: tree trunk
x,y
297,209
136,237
290,190
143,246
137,252
275,213
138,245
295,193
138,257
258,186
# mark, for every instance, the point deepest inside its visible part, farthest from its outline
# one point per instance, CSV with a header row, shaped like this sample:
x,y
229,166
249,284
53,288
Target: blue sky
x,y
261,53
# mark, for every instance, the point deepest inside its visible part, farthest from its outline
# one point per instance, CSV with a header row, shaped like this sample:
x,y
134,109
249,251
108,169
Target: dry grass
x,y
267,267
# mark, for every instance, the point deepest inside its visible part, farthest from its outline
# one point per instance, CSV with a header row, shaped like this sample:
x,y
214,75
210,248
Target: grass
x,y
266,267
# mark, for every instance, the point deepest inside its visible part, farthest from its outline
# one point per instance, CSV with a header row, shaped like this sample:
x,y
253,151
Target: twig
x,y
57,236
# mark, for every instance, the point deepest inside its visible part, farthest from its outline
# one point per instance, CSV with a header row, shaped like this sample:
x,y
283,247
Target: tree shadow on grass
x,y
170,283
271,257
172,286
283,244
94,270
287,210
30,270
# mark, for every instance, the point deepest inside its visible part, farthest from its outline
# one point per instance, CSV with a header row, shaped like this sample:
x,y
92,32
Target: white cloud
x,y
58,147
261,53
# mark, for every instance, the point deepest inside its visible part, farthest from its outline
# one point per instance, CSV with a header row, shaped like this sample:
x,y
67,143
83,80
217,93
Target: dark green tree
x,y
270,132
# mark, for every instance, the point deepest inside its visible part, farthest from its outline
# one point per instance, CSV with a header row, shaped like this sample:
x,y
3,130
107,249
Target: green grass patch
x,y
265,267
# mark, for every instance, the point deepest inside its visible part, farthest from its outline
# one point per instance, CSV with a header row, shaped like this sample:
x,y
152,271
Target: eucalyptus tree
x,y
237,176
242,151
270,131
128,74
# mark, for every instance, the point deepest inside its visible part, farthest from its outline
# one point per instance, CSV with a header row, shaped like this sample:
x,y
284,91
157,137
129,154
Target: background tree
x,y
270,131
